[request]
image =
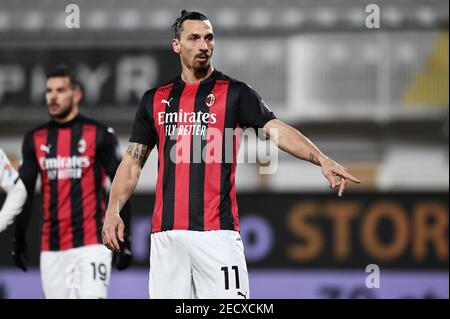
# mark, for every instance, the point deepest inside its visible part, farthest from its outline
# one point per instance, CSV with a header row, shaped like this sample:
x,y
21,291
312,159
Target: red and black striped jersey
x,y
73,160
193,126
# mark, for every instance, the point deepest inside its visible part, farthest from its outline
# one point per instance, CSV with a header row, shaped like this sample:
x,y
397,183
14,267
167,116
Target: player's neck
x,y
69,116
190,76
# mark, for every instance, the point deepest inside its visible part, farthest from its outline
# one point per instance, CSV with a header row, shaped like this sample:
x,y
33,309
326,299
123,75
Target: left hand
x,y
330,169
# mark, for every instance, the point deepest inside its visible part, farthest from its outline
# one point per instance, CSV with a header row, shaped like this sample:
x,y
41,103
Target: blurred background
x,y
374,99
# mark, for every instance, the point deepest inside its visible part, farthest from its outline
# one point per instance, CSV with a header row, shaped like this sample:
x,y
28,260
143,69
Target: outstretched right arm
x,y
123,185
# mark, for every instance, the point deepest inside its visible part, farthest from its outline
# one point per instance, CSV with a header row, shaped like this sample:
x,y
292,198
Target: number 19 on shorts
x,y
99,271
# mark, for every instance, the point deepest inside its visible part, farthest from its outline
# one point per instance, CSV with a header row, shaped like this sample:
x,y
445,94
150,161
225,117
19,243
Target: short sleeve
x,y
253,111
143,126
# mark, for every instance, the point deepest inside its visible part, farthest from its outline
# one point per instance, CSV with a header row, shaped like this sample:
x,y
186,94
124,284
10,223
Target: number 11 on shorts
x,y
227,277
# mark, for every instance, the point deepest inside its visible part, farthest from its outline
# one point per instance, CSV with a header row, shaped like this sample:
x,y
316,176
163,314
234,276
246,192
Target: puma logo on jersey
x,y
167,102
46,148
242,294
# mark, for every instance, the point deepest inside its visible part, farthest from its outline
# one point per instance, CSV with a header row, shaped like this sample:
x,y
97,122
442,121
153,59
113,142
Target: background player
x,y
196,249
15,190
72,154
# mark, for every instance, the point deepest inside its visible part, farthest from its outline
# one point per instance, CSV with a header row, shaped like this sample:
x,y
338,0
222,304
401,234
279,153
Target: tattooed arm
x,y
138,152
123,185
295,143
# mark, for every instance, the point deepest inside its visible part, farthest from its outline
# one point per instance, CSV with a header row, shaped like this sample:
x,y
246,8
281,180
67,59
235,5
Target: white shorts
x,y
82,272
198,264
